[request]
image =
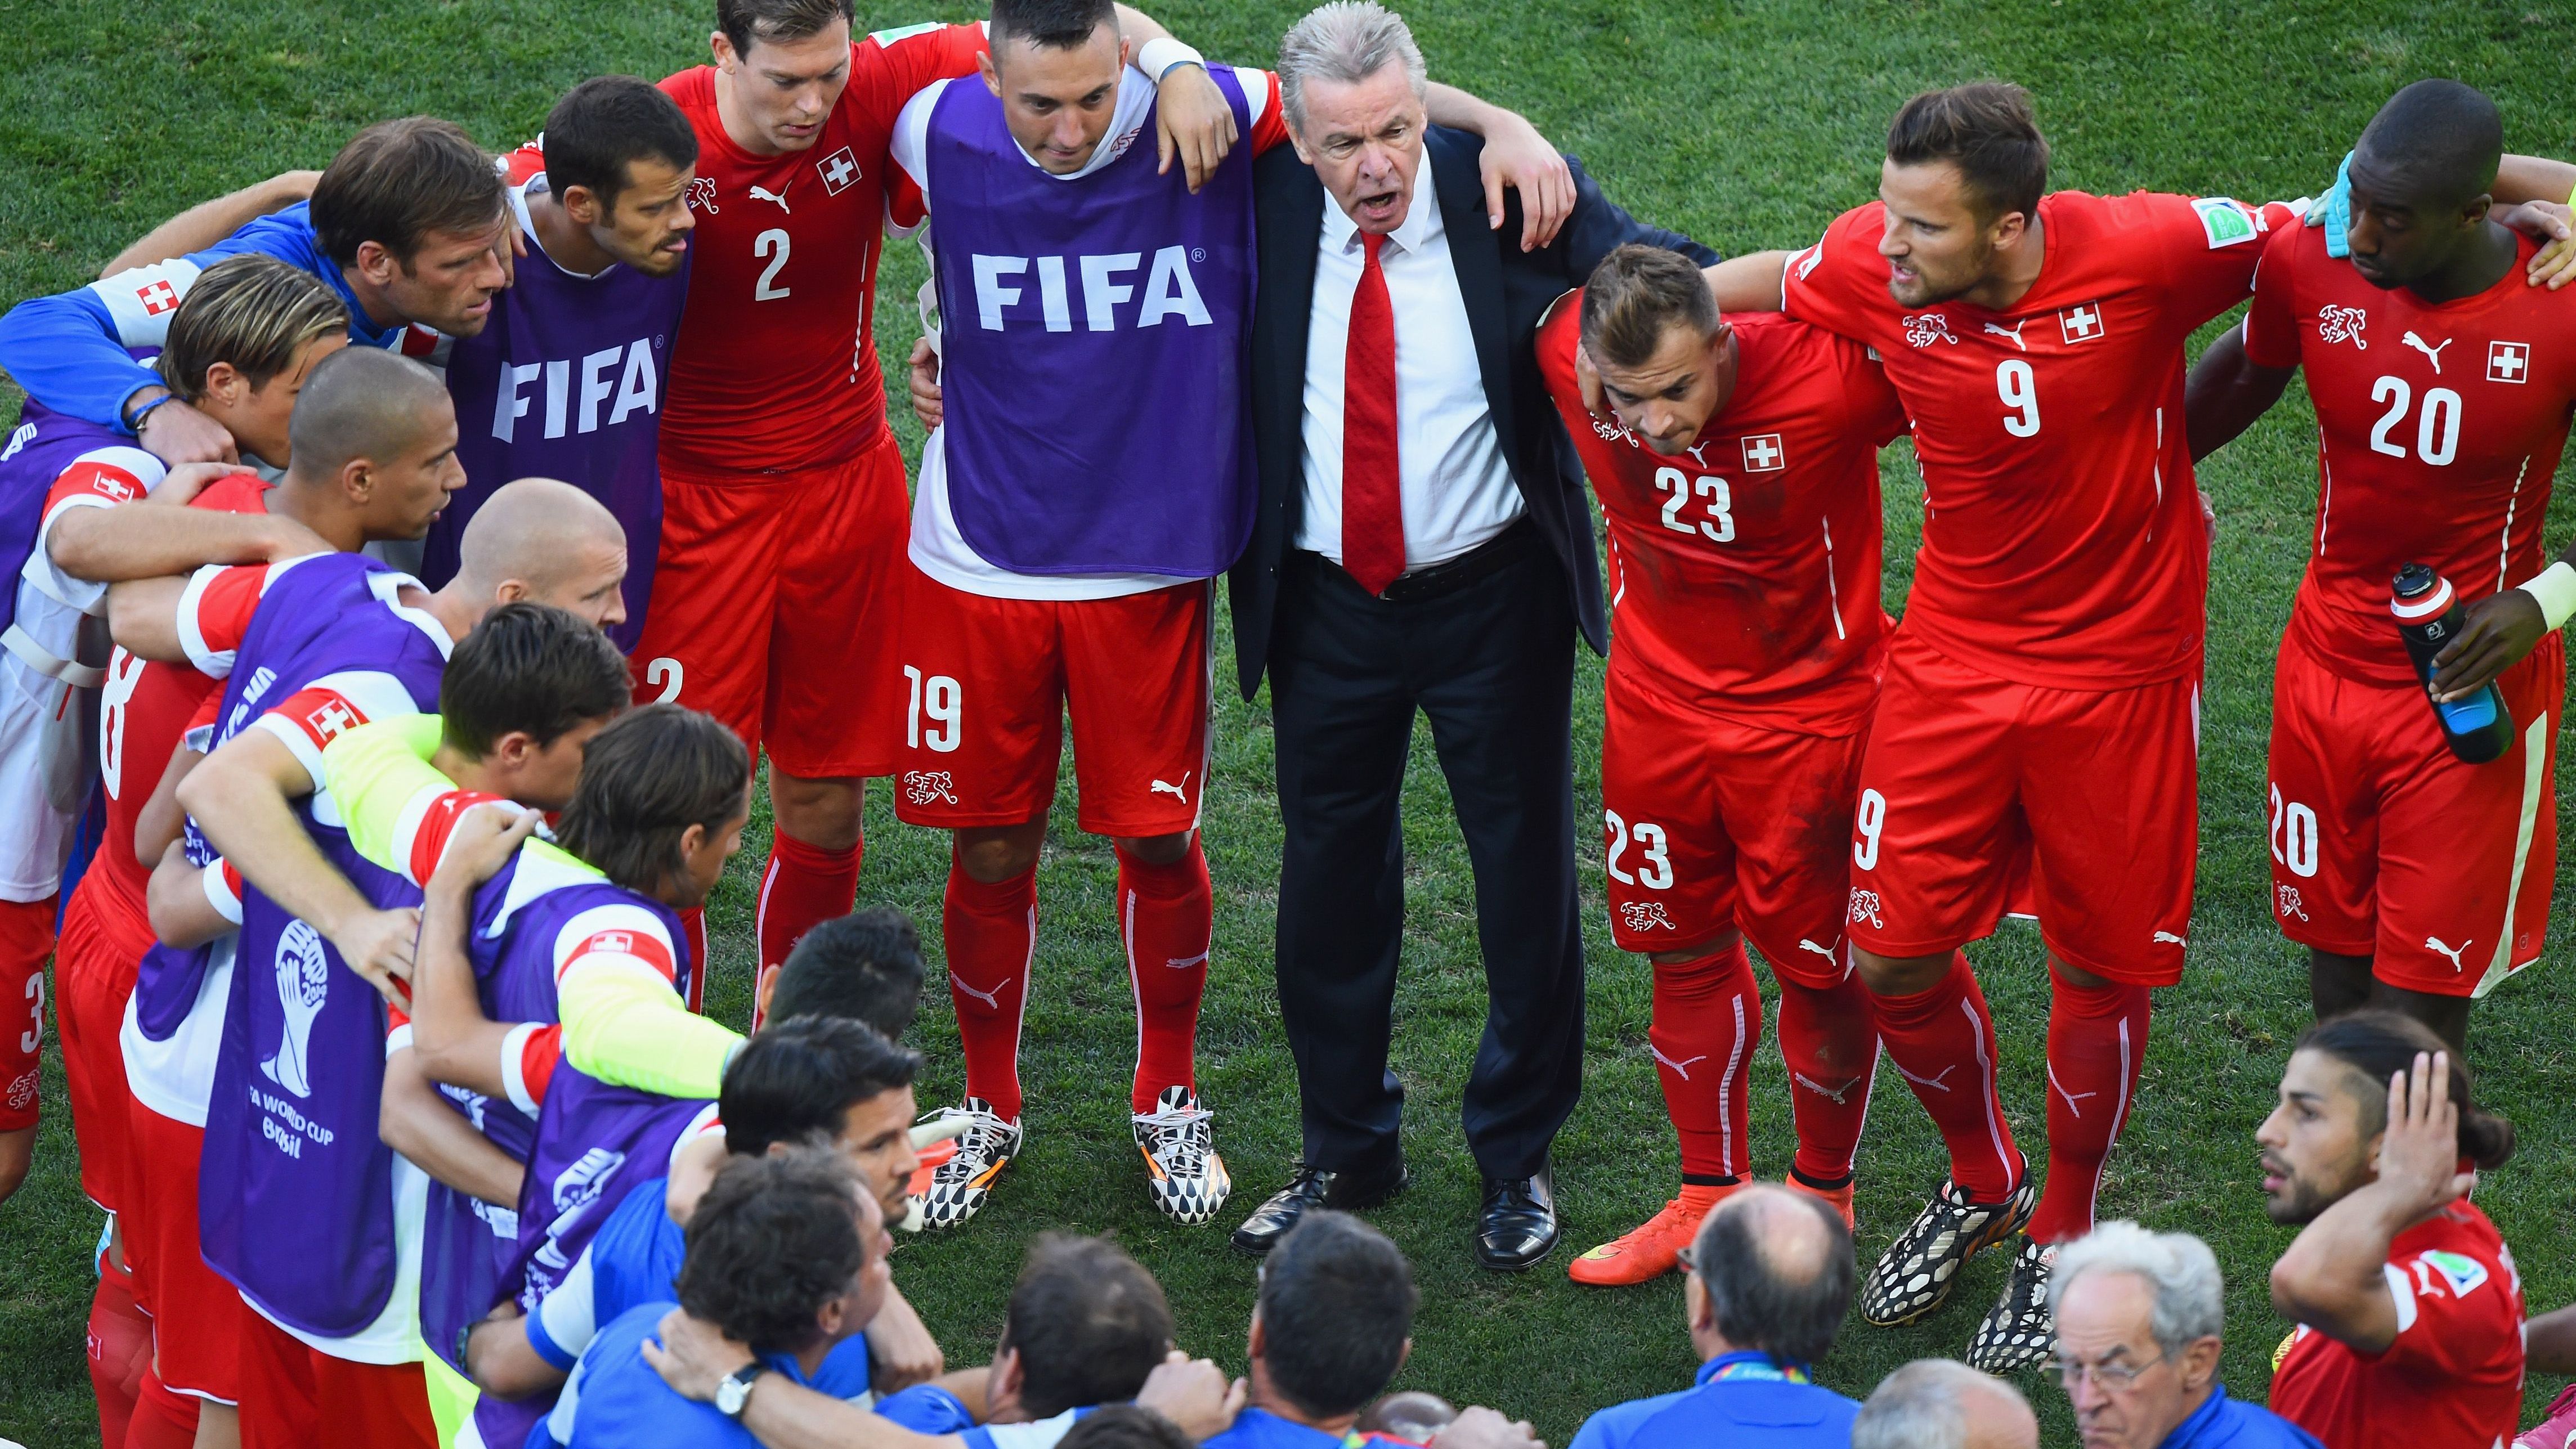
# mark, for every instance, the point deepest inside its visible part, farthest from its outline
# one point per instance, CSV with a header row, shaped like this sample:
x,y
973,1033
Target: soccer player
x,y
2036,340
244,346
405,226
783,492
2408,1306
1082,583
2442,386
1739,477
567,378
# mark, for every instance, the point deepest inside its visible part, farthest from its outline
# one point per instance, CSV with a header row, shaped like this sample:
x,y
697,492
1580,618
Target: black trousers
x,y
1491,661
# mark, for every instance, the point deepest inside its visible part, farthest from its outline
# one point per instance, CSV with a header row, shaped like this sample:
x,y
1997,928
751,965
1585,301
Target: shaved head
x,y
2436,143
363,403
547,542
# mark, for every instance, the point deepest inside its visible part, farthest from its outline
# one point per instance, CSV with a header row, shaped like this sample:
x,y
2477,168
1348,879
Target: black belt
x,y
1518,540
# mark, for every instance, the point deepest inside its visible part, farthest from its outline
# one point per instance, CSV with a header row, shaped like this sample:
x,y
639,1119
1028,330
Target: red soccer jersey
x,y
2062,538
143,710
776,367
2438,427
2453,1378
1744,574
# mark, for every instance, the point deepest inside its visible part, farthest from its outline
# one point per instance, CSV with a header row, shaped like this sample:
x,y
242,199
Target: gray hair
x,y
1346,41
2182,1271
1921,1406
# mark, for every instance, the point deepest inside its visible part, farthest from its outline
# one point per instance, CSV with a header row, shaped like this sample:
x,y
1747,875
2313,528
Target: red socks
x,y
693,924
1166,915
1829,1043
1707,1020
801,887
992,933
162,1419
2097,1037
1943,1041
120,1350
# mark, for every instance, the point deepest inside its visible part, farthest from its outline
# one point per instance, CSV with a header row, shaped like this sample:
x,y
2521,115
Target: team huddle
x,y
415,561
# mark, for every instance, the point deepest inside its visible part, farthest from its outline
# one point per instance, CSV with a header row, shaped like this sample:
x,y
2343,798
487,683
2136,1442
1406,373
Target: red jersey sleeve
x,y
517,166
215,611
528,1058
889,67
1269,119
2457,1314
2272,323
1840,283
1872,407
2211,245
420,837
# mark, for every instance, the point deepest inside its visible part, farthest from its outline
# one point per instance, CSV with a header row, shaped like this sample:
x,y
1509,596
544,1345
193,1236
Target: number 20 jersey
x,y
2062,539
2438,429
1744,574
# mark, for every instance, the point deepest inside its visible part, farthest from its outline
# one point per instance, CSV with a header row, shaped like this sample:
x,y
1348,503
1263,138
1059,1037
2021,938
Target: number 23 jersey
x,y
2062,539
2438,428
1744,573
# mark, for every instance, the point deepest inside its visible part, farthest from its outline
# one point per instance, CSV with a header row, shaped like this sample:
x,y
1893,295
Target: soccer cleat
x,y
2017,1332
1920,1268
1651,1249
959,1186
2557,1428
1178,1140
1837,1198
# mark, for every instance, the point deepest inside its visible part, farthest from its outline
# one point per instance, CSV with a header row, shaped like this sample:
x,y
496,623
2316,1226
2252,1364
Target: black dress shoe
x,y
1315,1187
1518,1225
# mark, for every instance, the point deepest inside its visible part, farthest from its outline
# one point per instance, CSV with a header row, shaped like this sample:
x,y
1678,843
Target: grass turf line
x,y
1747,124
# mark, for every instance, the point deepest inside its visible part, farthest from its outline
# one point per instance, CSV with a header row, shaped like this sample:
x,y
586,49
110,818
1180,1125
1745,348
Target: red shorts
x,y
990,681
291,1391
774,609
26,940
2385,845
1965,771
94,966
198,1319
1709,823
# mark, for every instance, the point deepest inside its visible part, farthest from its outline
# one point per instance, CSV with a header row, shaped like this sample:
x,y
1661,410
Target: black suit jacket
x,y
1507,292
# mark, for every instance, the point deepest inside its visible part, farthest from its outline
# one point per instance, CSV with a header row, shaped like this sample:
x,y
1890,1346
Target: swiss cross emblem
x,y
838,170
331,719
621,942
112,483
1763,453
2508,361
2081,323
157,298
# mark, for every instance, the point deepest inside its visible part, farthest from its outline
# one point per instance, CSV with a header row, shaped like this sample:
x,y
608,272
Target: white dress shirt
x,y
1456,485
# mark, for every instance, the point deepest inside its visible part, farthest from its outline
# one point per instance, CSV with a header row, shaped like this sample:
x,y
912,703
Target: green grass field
x,y
1746,122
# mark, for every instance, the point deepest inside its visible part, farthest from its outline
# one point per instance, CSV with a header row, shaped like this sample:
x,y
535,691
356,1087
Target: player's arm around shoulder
x,y
382,778
1595,226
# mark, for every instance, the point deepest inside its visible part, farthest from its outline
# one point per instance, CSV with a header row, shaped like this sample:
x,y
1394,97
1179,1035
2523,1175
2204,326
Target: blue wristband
x,y
134,422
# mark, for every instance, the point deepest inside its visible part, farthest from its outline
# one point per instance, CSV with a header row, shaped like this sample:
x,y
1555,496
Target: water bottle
x,y
2478,728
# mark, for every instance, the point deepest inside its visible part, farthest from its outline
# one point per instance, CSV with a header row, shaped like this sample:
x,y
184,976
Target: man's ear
x,y
226,385
357,480
1403,1354
720,46
829,1319
2009,227
513,591
375,263
985,68
693,839
2200,1362
1695,1311
516,746
1259,1342
765,990
1007,1375
583,205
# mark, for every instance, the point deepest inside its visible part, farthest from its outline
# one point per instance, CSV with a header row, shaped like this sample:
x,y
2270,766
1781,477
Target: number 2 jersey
x,y
2439,426
2062,539
776,368
1744,574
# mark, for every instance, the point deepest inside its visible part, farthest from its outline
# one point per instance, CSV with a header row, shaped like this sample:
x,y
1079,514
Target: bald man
x,y
1771,1276
1940,1403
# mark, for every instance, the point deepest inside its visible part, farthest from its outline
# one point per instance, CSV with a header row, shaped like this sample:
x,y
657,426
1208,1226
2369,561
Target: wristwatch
x,y
735,1391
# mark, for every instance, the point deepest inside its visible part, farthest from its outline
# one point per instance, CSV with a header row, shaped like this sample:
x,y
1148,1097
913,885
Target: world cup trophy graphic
x,y
303,981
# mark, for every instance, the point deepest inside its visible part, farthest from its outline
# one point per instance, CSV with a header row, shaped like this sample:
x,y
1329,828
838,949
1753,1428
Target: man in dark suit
x,y
1422,542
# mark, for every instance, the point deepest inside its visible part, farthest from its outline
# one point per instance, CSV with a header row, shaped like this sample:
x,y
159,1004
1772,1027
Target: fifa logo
x,y
1864,907
625,378
1169,290
303,983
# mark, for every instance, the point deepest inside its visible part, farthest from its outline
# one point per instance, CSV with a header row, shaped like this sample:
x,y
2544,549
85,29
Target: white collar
x,y
1420,227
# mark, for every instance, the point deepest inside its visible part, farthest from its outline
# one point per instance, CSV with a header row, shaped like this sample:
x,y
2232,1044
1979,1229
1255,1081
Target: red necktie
x,y
1372,493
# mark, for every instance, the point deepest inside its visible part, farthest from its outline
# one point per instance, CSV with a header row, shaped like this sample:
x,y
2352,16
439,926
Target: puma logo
x,y
763,193
1934,1082
991,999
2013,332
2434,943
1177,792
1680,1069
1185,963
2162,937
1695,454
2431,354
2073,1099
1806,945
1838,1094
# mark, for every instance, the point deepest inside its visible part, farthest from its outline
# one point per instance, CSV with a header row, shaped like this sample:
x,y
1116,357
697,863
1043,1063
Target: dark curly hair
x,y
772,1242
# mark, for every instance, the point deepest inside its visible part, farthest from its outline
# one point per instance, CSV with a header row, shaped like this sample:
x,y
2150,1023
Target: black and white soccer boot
x,y
2018,1333
960,1186
1920,1268
1178,1139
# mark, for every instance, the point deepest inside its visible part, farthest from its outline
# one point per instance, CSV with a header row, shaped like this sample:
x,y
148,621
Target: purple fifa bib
x,y
295,1190
32,457
594,1144
567,381
1095,336
468,1246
